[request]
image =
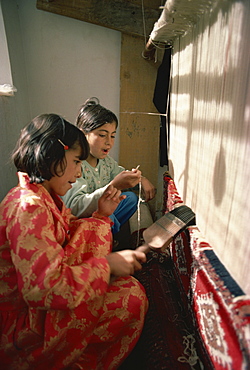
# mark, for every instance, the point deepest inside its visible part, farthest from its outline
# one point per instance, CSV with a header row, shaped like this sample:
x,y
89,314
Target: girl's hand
x,y
148,189
126,262
143,248
126,179
109,201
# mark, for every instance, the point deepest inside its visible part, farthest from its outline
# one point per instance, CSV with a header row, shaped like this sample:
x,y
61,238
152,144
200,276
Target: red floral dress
x,y
57,307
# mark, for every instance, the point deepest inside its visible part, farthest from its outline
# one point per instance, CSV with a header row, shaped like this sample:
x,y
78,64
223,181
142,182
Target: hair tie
x,y
65,147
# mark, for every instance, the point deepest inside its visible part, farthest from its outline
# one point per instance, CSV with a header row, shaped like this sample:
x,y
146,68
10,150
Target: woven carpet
x,y
198,318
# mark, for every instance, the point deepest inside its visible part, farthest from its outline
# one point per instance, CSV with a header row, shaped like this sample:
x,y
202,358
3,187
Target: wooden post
x,y
139,130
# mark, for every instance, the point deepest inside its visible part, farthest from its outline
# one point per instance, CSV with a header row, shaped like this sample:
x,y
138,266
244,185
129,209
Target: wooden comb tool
x,y
160,234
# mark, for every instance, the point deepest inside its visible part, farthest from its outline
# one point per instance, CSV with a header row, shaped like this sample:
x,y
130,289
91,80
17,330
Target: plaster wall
x,y
57,63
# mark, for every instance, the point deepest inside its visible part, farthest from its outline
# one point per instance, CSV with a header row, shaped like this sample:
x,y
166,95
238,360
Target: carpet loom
x,y
198,318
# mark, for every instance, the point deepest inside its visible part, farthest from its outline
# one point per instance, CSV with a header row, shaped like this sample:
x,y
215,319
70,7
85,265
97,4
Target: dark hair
x,y
38,151
93,115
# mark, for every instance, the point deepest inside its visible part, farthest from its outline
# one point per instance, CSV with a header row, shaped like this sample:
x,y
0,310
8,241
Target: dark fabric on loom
x,y
173,337
161,101
168,322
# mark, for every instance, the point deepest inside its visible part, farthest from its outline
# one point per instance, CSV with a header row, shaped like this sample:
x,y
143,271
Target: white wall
x,y
209,134
57,63
14,111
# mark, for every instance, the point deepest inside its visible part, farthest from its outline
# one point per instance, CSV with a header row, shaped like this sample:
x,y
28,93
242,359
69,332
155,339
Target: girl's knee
x,y
140,299
131,196
136,298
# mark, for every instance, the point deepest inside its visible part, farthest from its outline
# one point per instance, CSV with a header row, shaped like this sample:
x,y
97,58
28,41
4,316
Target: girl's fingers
x,y
115,195
137,172
140,255
112,193
143,248
137,266
121,197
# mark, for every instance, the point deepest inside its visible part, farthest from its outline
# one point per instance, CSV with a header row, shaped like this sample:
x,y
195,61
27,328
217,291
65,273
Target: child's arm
x,y
80,201
109,201
126,262
45,276
126,179
129,179
148,189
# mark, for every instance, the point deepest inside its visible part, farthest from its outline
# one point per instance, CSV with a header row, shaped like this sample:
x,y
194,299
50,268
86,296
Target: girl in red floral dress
x,y
66,301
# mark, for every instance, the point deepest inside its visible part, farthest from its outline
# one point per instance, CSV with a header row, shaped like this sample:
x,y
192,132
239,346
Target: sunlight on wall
x,y
213,109
185,61
209,133
183,101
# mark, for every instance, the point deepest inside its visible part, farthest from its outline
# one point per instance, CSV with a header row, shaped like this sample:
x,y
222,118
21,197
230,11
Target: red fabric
x,y
194,321
223,330
171,195
57,307
222,319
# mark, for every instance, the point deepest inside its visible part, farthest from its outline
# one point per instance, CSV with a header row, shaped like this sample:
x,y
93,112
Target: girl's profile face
x,y
101,140
61,184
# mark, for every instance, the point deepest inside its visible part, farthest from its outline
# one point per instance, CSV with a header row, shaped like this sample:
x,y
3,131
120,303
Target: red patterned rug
x,y
198,318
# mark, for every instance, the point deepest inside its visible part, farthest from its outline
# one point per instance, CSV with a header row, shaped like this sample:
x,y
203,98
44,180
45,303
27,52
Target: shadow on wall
x,y
219,177
209,132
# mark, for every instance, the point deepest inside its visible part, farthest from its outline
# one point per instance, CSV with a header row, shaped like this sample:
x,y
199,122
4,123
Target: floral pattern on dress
x,y
57,307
